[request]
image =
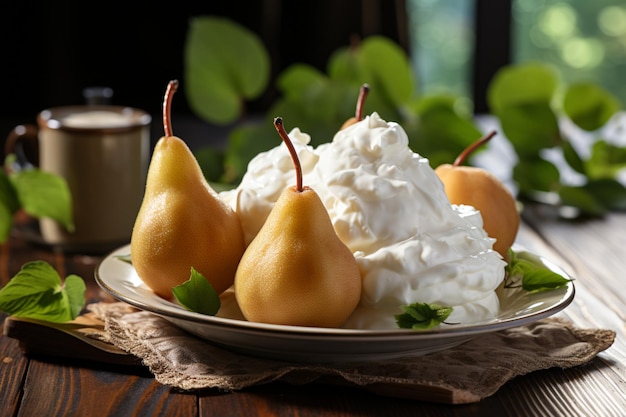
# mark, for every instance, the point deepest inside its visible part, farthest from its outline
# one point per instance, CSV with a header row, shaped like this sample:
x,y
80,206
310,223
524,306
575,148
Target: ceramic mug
x,y
103,153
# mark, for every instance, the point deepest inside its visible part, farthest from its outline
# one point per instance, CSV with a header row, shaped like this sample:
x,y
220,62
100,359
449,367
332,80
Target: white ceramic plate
x,y
517,307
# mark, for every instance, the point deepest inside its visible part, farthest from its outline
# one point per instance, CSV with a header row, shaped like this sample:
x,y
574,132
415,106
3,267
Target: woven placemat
x,y
463,374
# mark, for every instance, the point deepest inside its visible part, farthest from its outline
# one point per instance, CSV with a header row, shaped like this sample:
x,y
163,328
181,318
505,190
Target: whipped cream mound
x,y
390,208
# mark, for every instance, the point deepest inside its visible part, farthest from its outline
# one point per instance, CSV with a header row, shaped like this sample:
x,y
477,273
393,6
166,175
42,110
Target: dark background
x,y
50,51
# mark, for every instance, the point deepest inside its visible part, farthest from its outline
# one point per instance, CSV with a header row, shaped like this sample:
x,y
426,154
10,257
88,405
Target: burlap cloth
x,y
463,374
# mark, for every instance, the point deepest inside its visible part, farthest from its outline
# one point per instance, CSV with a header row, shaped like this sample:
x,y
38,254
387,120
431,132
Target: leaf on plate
x,y
534,274
422,316
125,258
197,294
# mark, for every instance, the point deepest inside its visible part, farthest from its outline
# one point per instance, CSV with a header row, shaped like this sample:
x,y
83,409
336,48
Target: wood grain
x,y
592,252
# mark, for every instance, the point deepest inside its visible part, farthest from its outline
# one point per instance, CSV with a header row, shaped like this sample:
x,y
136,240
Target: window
x,y
585,40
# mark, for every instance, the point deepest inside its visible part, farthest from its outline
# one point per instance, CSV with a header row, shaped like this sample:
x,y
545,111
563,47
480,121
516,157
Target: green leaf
x,y
606,160
443,131
42,194
9,204
422,316
298,79
522,85
211,161
520,96
197,294
36,292
530,127
536,174
245,142
581,199
225,63
383,65
387,69
589,106
610,193
535,275
572,158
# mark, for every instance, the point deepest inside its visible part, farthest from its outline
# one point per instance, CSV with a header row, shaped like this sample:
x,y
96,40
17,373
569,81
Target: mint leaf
x,y
36,292
42,194
534,274
197,294
422,316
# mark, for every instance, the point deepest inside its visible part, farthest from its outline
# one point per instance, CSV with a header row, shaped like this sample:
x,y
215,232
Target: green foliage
x,y
528,100
589,106
38,193
36,292
225,64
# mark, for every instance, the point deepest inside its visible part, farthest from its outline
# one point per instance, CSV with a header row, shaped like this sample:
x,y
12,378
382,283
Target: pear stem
x,y
360,103
468,151
278,124
172,86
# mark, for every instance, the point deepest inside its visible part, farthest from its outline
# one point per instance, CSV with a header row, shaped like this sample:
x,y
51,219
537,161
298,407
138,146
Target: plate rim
x,y
336,334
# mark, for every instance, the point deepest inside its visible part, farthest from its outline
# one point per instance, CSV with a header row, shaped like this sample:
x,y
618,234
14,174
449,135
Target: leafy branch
x,y
529,101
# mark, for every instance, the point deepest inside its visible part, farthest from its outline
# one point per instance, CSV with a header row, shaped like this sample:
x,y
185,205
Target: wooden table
x,y
593,252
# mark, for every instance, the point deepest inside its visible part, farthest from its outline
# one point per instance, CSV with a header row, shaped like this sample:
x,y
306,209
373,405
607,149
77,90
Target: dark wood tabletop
x,y
593,252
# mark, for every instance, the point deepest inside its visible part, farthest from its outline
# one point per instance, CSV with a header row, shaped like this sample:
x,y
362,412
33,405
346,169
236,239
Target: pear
x,y
182,223
360,103
481,189
297,271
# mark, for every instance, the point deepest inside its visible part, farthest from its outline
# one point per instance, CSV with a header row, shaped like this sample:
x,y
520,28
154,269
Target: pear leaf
x,y
422,316
42,194
36,292
197,294
589,106
225,63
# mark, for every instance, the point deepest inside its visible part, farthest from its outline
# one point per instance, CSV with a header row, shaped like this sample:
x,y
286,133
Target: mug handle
x,y
24,143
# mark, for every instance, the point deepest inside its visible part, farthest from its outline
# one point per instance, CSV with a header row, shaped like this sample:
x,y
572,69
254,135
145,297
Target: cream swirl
x,y
389,207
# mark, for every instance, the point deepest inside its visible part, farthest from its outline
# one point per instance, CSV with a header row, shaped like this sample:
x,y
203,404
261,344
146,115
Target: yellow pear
x,y
297,271
481,189
358,114
182,223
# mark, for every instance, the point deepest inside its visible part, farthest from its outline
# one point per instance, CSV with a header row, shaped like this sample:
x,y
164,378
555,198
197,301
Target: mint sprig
x,y
527,271
422,316
37,292
197,294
